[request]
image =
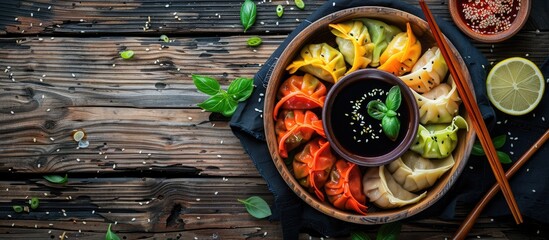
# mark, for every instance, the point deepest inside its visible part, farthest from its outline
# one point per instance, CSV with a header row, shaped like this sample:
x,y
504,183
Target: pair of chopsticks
x,y
469,102
473,215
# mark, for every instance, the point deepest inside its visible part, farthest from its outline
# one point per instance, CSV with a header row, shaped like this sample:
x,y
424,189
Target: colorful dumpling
x,y
401,54
381,34
313,164
383,191
344,188
415,173
294,128
439,105
428,72
320,60
438,140
300,92
353,41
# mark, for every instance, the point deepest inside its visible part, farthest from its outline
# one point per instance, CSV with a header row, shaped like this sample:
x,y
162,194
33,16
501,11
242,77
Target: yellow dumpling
x,y
353,41
320,60
428,72
402,53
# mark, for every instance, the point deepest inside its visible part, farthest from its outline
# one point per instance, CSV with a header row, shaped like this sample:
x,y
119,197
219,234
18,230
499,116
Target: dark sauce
x,y
347,130
488,16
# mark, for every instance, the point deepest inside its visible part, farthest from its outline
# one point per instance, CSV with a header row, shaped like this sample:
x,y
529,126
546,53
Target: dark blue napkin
x,y
294,214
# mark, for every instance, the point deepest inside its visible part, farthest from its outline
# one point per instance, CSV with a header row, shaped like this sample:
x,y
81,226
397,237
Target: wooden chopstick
x,y
474,112
473,215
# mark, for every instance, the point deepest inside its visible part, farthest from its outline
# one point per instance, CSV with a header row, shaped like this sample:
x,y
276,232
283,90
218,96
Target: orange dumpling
x,y
402,53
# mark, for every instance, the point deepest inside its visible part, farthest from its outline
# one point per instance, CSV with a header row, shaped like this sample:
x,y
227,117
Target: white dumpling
x,y
383,191
440,105
415,173
428,72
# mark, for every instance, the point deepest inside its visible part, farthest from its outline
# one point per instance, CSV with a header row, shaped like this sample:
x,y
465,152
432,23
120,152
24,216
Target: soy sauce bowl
x,y
355,135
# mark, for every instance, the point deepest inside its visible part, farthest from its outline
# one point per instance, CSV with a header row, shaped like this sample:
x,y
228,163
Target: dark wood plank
x,y
130,17
182,141
205,208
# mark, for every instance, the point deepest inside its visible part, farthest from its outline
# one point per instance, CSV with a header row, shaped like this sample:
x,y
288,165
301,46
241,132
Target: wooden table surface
x,y
157,166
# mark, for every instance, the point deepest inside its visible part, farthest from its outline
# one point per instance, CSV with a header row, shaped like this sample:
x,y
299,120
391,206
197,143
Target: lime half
x,y
515,86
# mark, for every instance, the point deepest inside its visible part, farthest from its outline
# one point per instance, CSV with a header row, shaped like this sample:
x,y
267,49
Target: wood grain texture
x,y
173,17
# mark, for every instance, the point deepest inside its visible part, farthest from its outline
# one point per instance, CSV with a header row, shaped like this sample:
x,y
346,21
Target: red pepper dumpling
x,y
320,60
300,92
295,128
383,191
401,54
313,164
353,41
428,72
440,105
344,188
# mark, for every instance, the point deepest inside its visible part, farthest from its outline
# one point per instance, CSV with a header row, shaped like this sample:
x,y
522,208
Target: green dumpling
x,y
381,34
438,140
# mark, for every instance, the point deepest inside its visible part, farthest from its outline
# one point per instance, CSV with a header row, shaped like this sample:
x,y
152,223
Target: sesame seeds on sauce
x,y
489,16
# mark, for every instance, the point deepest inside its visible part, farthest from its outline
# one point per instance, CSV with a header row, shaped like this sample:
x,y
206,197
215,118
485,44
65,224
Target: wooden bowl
x,y
319,32
337,131
458,15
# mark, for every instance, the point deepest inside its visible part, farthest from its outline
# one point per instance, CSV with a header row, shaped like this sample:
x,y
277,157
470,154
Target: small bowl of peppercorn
x,y
489,21
370,117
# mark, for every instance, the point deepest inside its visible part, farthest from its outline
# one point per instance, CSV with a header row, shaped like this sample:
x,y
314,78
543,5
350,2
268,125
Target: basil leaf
x,y
126,54
393,98
390,113
241,89
391,127
56,178
230,108
359,236
376,109
214,104
221,103
389,231
499,141
504,158
111,235
247,14
279,10
254,41
256,207
164,38
17,208
206,85
477,150
34,202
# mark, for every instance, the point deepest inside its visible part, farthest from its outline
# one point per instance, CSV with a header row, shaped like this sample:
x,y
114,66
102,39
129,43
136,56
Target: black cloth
x,y
296,216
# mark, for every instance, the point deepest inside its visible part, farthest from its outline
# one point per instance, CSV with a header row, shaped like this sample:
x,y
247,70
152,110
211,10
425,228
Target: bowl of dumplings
x,y
322,54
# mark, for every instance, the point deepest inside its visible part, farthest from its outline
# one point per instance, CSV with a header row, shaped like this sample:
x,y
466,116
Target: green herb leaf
x,y
299,4
254,41
111,235
391,127
504,157
477,150
393,98
17,208
279,10
247,14
359,236
56,178
499,141
241,89
376,109
389,231
164,38
126,54
206,85
256,207
221,103
34,202
390,113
